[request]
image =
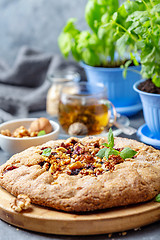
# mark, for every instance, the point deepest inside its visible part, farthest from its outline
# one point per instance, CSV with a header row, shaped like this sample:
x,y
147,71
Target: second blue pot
x,y
151,110
119,90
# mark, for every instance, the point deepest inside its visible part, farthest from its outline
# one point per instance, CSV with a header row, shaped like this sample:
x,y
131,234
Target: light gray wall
x,y
36,23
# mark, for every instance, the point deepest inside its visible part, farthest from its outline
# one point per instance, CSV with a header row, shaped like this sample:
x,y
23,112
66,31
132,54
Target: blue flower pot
x,y
151,109
119,90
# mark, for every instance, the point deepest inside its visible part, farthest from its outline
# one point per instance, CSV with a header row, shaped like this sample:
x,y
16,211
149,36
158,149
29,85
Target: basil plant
x,y
96,46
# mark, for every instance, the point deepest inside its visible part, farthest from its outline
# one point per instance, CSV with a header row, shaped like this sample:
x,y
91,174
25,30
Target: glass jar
x,y
58,79
84,109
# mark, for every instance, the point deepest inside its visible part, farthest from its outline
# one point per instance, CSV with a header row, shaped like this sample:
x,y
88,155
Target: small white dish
x,y
14,145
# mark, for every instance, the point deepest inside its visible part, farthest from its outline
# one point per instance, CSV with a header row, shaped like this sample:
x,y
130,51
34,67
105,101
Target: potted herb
x,y
101,56
141,26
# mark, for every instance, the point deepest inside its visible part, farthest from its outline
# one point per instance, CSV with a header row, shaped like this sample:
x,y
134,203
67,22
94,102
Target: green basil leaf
x,y
127,153
46,152
101,153
93,13
41,133
156,81
110,138
65,43
157,198
90,57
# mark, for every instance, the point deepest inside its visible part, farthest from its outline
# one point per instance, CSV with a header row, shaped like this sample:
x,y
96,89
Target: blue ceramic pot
x,y
151,109
119,90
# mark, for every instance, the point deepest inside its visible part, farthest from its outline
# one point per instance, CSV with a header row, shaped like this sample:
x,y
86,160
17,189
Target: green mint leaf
x,y
110,138
114,152
41,133
136,19
157,198
105,144
110,151
46,152
107,153
127,153
101,153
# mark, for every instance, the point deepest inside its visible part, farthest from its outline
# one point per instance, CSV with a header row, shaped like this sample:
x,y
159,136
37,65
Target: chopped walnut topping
x,y
86,172
76,165
61,149
74,158
22,202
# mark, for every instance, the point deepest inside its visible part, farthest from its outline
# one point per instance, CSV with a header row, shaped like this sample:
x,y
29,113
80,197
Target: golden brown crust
x,y
132,181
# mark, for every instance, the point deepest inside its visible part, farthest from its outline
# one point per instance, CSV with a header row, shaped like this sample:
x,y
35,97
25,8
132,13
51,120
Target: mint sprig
x,y
109,150
46,152
41,133
157,198
127,153
110,138
101,153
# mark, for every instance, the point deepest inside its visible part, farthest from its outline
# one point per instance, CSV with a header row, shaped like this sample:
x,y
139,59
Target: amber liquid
x,y
94,116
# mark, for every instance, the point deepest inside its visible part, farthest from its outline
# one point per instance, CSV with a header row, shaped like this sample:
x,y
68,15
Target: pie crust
x,y
130,181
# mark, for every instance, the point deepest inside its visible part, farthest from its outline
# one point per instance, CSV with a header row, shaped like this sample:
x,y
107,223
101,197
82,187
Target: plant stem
x,y
130,34
148,10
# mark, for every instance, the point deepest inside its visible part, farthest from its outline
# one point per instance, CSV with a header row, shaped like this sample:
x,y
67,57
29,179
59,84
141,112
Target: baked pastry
x,y
68,175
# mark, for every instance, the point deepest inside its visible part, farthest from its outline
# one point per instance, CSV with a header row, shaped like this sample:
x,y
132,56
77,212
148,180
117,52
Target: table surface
x,y
150,232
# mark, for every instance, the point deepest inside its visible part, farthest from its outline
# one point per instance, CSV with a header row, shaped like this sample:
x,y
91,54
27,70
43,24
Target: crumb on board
x,y
20,203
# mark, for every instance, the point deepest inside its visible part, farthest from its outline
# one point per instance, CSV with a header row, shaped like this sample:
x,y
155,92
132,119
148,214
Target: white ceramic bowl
x,y
15,145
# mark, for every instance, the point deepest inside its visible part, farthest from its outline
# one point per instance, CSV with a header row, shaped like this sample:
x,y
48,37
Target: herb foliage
x,y
97,46
157,198
138,25
41,133
109,150
46,152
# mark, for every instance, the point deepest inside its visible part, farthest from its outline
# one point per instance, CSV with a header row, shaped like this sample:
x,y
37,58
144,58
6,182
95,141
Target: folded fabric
x,y
11,109
24,87
29,69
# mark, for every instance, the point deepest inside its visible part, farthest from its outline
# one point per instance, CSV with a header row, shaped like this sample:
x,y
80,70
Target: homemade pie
x,y
68,175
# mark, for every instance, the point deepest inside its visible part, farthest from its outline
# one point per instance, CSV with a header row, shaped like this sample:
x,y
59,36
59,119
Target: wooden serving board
x,y
42,219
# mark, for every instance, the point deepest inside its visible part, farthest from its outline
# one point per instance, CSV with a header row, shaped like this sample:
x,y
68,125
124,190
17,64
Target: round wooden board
x,y
42,219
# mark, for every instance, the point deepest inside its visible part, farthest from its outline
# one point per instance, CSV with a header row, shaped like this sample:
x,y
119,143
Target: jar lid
x,y
62,76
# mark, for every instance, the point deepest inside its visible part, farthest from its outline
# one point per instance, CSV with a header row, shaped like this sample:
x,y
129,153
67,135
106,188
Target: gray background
x,y
35,23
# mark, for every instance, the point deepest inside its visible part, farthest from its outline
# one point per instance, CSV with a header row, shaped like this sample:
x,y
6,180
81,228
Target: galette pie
x,y
73,174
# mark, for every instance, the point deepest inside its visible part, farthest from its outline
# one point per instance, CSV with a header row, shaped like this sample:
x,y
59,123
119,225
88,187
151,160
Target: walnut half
x,y
78,128
21,202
